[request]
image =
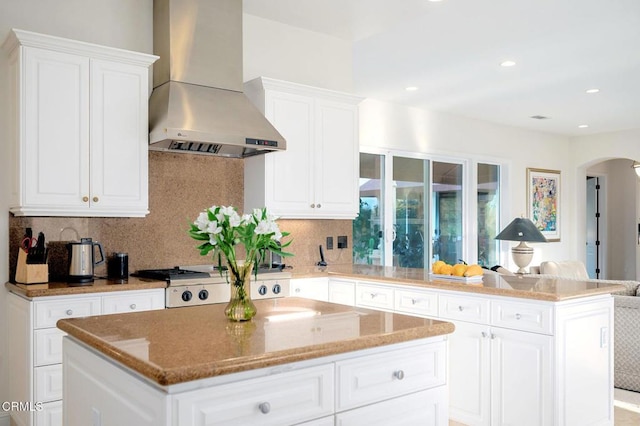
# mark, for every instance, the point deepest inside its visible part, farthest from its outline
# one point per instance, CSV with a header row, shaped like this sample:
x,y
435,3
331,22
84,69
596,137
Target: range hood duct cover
x,y
197,104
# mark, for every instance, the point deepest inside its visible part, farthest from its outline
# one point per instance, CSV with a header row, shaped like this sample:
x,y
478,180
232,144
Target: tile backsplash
x,y
180,186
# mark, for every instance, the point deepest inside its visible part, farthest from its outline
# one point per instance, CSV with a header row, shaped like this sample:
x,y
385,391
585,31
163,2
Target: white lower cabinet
x,y
501,376
50,415
400,384
342,292
310,288
512,361
401,411
35,359
282,399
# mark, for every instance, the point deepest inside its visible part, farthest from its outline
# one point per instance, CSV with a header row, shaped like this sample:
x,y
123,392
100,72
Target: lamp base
x,y
522,255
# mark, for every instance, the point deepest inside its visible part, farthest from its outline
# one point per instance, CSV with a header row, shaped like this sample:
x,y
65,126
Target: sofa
x,y
626,320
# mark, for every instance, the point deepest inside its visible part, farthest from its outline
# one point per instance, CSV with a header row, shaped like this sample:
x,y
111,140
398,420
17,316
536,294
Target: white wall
x,y
287,53
590,150
125,24
387,125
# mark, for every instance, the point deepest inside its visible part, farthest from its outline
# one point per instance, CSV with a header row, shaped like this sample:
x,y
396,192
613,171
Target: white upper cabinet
x,y
79,128
317,176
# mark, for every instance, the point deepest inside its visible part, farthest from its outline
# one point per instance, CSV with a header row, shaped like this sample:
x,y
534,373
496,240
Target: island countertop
x,y
178,345
537,287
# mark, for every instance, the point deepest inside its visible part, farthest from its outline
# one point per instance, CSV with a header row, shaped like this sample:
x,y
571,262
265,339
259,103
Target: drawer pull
x,y
493,336
398,374
484,334
460,308
132,306
264,408
69,312
518,316
373,295
415,301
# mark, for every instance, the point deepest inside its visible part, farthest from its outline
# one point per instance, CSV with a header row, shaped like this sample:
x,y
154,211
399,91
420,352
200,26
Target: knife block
x,y
30,273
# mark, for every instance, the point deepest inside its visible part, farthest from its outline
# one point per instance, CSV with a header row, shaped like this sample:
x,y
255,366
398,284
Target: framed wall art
x,y
543,201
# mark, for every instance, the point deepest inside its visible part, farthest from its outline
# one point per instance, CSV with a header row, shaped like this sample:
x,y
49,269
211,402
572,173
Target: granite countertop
x,y
178,345
521,286
98,286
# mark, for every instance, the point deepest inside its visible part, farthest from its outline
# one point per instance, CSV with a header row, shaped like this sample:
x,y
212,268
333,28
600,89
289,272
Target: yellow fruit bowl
x,y
466,280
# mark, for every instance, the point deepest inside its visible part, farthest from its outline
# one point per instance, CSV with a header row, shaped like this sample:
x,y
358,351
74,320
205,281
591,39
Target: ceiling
x,y
451,51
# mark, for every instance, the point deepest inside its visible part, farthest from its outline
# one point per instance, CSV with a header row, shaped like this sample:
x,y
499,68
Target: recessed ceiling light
x,y
411,88
592,90
507,63
583,126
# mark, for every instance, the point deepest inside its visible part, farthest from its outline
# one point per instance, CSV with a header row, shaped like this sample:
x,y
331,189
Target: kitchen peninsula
x,y
298,361
527,350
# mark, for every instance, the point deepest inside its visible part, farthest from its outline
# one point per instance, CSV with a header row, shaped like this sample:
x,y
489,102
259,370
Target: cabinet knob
x,y
373,295
493,336
132,306
96,199
69,312
297,290
398,374
85,199
414,301
460,308
518,316
264,408
484,334
319,205
313,206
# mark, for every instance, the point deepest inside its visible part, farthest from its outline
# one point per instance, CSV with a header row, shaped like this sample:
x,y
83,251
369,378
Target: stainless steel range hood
x,y
197,104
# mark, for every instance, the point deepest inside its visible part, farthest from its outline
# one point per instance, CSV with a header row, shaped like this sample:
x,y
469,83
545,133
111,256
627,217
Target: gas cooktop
x,y
175,273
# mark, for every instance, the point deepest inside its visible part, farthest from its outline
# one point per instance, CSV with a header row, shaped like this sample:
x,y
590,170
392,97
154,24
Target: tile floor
x,y
626,407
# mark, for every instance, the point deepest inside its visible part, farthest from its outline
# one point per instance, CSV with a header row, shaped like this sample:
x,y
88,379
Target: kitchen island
x,y
298,361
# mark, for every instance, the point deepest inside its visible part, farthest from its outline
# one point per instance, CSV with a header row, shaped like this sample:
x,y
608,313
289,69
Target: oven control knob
x,y
203,295
186,295
277,289
262,290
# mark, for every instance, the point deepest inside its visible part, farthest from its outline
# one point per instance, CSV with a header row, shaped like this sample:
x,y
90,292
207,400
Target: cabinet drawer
x,y
428,407
342,292
49,312
382,376
48,346
131,301
416,302
48,383
374,296
287,398
522,316
463,308
50,415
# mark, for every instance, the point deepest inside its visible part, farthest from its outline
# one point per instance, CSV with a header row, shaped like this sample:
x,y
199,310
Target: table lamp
x,y
523,230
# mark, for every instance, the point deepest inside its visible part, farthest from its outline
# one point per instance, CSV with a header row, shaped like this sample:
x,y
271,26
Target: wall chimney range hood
x,y
197,105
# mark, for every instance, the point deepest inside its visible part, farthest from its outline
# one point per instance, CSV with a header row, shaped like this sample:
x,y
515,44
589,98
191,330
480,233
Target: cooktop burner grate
x,y
175,273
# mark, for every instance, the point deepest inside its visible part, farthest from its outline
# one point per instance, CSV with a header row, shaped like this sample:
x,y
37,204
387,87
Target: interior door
x,y
593,227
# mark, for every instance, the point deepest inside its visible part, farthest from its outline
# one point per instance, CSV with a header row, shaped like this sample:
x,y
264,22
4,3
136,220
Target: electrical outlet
x,y
342,241
329,243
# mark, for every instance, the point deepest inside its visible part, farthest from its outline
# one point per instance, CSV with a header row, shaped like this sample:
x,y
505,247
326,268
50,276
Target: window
x,y
368,242
414,211
488,203
447,212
